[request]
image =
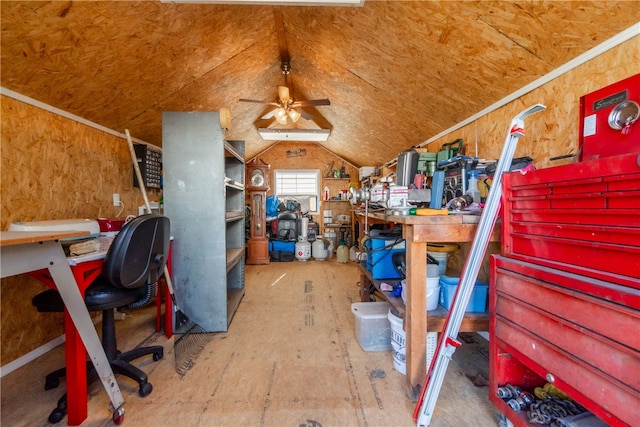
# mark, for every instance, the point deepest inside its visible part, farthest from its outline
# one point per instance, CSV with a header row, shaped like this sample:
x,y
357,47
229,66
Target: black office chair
x,y
129,277
288,224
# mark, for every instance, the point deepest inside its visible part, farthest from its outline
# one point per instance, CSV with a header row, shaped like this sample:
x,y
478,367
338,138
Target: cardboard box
x,y
365,172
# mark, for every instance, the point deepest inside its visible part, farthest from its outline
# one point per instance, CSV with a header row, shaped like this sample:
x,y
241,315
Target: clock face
x,y
257,178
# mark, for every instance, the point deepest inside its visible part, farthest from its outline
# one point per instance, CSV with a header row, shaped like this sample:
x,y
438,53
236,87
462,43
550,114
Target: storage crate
x,y
373,328
477,302
379,256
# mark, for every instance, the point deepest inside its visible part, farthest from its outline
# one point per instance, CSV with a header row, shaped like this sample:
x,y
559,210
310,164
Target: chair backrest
x,y
288,226
138,253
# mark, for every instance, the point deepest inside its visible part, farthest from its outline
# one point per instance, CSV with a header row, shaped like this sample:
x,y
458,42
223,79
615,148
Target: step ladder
x,y
448,339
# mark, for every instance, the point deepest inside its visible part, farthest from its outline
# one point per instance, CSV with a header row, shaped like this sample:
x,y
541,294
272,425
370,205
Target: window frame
x,y
299,197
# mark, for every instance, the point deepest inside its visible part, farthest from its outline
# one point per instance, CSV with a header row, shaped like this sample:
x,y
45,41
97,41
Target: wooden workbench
x,y
417,232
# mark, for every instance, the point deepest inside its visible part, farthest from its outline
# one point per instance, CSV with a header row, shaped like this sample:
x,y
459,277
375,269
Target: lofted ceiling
x,y
396,72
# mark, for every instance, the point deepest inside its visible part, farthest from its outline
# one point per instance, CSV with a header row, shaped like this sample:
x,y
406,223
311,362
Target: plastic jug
x,y
343,254
473,190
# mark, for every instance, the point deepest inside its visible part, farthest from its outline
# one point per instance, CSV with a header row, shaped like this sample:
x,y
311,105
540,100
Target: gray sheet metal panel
x,y
194,200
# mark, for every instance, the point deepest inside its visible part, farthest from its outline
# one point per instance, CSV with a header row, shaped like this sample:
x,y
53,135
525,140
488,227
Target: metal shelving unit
x,y
204,199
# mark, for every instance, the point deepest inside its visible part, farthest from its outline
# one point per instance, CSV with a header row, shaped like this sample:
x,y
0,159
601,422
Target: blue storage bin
x,y
379,256
477,302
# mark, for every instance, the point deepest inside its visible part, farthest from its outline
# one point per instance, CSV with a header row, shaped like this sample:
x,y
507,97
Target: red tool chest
x,y
604,108
565,293
583,218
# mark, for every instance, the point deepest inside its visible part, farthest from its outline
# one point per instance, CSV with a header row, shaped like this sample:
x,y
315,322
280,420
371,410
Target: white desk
x,y
24,252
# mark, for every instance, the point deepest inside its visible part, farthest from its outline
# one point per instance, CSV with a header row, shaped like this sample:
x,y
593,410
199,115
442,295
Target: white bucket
x,y
398,343
433,293
441,257
433,270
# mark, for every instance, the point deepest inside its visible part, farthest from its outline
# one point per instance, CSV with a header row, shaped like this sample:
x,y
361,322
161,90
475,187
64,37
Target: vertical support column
x,y
415,322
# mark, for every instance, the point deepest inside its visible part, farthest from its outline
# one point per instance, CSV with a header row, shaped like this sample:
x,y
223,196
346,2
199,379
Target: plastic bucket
x,y
398,342
433,293
433,270
441,257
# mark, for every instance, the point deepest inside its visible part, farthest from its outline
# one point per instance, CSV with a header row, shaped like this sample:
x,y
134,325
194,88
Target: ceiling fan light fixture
x,y
294,115
281,116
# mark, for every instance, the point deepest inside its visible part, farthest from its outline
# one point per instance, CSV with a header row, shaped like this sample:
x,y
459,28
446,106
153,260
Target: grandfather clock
x,y
257,186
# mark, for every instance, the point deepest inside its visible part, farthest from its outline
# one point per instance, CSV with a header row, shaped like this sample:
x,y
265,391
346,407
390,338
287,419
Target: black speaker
x,y
454,183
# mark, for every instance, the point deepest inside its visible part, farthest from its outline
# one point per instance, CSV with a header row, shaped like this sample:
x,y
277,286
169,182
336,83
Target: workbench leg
x,y
365,287
415,323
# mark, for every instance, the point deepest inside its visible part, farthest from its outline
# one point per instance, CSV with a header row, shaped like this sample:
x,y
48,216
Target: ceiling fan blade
x,y
305,115
283,94
268,115
254,101
311,103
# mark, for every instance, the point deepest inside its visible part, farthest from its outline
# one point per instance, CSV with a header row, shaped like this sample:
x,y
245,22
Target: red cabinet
x,y
565,293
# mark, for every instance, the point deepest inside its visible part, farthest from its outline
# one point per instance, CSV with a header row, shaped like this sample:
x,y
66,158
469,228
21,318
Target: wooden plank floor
x,y
290,358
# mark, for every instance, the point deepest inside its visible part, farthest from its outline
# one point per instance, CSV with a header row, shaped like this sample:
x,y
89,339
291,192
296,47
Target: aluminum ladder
x,y
448,340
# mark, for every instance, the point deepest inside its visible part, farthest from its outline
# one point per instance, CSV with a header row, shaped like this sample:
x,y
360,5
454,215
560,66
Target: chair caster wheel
x,y
61,410
51,384
145,389
56,415
118,416
157,356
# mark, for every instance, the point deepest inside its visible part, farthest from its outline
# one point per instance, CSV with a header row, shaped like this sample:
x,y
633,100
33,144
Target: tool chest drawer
x,y
581,218
579,333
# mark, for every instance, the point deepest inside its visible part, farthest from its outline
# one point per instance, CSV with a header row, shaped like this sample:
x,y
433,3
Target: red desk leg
x,y
75,352
163,294
75,356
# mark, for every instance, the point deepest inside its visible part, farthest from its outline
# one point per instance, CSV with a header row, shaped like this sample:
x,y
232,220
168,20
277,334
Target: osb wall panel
x,y
52,168
552,132
291,155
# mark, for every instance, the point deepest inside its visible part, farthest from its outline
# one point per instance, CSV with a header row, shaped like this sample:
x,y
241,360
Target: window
x,y
298,186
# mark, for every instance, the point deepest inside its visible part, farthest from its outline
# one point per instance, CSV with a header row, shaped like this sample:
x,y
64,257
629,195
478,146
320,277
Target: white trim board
x,y
31,356
43,349
38,104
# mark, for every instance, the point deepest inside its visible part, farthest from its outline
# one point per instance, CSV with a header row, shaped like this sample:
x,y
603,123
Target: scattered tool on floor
x,y
448,338
194,337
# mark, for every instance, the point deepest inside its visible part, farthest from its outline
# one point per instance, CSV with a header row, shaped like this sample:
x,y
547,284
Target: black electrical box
x,y
150,162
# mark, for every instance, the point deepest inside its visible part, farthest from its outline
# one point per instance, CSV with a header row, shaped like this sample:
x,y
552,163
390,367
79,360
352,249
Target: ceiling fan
x,y
286,107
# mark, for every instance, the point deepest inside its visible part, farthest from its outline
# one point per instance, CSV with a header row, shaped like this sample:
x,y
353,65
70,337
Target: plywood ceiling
x,y
396,72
